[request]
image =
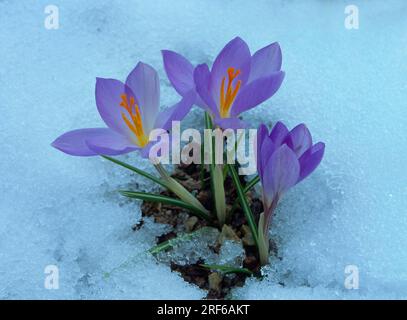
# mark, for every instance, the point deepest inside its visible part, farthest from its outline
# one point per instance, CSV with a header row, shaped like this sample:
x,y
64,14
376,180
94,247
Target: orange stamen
x,y
135,124
227,98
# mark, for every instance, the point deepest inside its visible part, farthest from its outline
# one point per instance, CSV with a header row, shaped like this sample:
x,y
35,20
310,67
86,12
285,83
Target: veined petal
x,y
311,159
256,92
280,173
108,98
175,113
145,84
265,61
279,133
109,143
230,123
262,134
202,78
179,71
299,139
267,148
75,142
235,54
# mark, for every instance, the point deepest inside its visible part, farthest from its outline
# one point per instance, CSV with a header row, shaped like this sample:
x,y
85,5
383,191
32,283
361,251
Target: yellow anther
x,y
227,98
135,124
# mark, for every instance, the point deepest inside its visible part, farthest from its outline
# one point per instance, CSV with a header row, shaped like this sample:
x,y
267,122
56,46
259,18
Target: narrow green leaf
x,y
136,170
244,204
226,269
251,184
202,168
170,243
166,200
219,194
208,121
246,189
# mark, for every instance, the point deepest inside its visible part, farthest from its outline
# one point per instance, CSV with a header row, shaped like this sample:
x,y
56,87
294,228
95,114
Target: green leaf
x,y
208,121
166,200
219,194
251,184
244,204
136,170
227,269
170,243
202,168
246,189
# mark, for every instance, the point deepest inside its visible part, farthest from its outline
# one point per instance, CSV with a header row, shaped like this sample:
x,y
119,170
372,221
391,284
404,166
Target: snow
x,y
348,86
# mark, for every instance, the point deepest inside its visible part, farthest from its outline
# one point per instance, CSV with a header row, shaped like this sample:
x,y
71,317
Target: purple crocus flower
x,y
237,81
130,111
284,158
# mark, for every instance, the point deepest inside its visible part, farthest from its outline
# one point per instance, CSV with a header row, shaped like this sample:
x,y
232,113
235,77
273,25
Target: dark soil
x,y
218,285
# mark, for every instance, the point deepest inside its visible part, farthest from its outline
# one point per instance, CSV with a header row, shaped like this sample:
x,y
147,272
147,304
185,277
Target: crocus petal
x,y
109,143
299,139
311,159
202,78
262,134
256,92
145,84
265,61
179,71
266,150
75,142
230,123
145,152
176,112
280,173
279,133
235,54
108,97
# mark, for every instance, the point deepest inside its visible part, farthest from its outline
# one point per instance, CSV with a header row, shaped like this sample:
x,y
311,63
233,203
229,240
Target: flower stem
x,y
217,179
263,241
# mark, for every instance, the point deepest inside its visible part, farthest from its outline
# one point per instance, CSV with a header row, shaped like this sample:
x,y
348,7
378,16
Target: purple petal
x,y
235,54
262,134
311,159
108,97
179,71
145,84
146,150
279,133
75,142
299,139
265,61
109,143
267,148
256,92
230,123
202,78
280,173
176,112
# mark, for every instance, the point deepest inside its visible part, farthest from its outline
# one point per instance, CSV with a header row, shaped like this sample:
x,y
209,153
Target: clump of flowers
x,y
236,82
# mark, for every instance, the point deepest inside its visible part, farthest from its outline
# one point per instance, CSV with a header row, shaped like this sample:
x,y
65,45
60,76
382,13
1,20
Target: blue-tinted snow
x,y
349,86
